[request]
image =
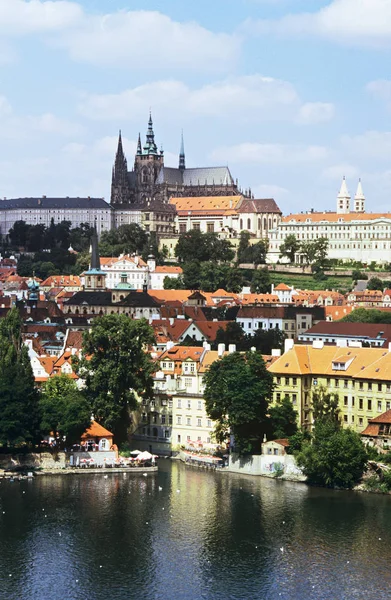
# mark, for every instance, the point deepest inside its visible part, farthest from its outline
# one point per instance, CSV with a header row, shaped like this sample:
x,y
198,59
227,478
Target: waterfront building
x,y
176,416
361,378
42,211
378,431
353,234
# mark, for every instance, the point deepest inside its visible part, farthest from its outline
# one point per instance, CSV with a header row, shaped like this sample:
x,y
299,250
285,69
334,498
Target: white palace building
x,y
353,234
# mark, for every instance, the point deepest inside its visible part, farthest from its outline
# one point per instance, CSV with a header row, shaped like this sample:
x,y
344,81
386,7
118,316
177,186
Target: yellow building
x,y
361,377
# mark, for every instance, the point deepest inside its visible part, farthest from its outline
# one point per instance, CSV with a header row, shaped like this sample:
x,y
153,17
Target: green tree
x,y
363,315
356,275
259,252
18,233
64,409
237,392
242,255
335,458
126,239
232,334
173,283
192,275
117,369
261,283
234,280
19,418
194,245
283,419
316,252
325,405
290,247
25,266
375,283
266,340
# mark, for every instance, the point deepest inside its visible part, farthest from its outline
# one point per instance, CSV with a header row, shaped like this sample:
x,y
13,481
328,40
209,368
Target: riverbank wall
x,y
33,460
265,465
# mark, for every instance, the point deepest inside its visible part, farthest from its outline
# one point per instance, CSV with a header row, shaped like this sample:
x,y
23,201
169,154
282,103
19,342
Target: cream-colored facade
x,y
352,234
361,377
177,417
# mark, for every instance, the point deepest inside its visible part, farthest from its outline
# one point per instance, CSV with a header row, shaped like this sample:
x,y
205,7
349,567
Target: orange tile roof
x,y
62,281
96,430
371,430
220,204
283,442
258,298
163,269
367,363
333,217
383,418
337,312
283,287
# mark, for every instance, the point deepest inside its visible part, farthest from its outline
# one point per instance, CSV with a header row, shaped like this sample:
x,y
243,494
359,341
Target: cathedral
x,y
151,181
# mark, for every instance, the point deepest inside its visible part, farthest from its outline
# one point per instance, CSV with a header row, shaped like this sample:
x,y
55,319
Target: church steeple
x,y
119,179
182,160
359,199
95,277
139,149
343,199
150,146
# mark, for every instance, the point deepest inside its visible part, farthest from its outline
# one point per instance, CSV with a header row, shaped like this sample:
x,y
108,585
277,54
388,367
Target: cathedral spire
x,y
95,258
119,180
182,160
139,149
359,199
150,146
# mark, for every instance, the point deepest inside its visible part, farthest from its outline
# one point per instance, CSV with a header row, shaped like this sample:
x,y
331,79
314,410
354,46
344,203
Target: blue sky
x,y
291,94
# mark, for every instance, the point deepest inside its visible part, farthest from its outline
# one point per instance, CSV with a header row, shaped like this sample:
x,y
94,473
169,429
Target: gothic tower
x,y
95,277
359,199
182,160
148,162
120,193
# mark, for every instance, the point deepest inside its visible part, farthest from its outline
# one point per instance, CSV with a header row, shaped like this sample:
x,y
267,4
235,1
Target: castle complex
x,y
151,181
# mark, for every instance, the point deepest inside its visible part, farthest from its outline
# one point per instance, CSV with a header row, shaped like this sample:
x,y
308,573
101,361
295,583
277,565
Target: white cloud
x,y
248,97
381,88
371,144
149,39
269,154
358,22
18,17
336,172
269,191
312,113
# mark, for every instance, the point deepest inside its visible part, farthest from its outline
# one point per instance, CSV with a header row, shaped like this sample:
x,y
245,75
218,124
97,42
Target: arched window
x,y
265,224
241,224
259,224
144,176
84,311
248,224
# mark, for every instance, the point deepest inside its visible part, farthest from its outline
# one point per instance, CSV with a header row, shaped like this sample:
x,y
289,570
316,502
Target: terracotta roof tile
x,y
96,430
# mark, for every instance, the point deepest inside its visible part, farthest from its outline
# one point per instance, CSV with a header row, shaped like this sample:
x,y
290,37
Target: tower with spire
x,y
95,277
147,165
120,193
343,199
359,199
182,160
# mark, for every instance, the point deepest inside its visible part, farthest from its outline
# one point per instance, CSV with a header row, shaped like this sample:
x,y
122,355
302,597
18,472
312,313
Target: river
x,y
204,535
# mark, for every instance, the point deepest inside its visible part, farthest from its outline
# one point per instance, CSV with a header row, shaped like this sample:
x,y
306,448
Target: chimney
x,y
288,345
318,344
220,350
276,352
232,348
170,345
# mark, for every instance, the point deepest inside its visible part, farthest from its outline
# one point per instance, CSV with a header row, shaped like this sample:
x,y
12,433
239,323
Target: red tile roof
x,y
96,430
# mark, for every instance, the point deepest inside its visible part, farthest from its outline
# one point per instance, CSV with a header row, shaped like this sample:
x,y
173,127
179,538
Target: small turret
x,y
359,199
343,199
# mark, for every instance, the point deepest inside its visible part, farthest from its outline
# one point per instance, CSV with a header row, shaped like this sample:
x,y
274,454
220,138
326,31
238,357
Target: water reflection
x,y
203,535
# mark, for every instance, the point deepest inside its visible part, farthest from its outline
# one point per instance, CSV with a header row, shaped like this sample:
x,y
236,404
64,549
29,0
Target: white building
x,y
41,211
352,235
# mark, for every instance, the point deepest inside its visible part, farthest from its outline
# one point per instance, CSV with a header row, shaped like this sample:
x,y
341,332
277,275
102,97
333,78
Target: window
x,y
170,404
360,421
209,423
163,419
345,383
189,404
360,403
369,386
379,405
388,405
210,227
369,404
336,382
188,421
286,380
179,439
278,396
199,405
170,419
294,398
196,226
345,400
361,385
328,381
179,403
345,418
182,228
379,387
188,382
352,400
199,423
294,381
179,420
278,380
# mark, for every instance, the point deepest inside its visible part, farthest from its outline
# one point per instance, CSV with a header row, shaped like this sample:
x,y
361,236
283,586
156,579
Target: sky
x,y
292,95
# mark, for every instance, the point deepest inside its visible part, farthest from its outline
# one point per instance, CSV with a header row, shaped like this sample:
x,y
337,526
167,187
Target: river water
x,y
205,535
